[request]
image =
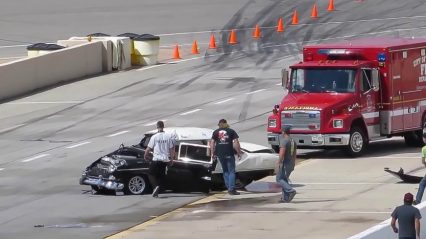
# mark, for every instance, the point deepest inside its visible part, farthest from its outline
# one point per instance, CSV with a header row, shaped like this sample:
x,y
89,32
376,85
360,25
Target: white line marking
x,y
190,112
1,169
13,46
153,123
254,92
78,145
359,183
35,157
118,133
298,211
223,101
10,128
279,84
150,67
12,57
44,102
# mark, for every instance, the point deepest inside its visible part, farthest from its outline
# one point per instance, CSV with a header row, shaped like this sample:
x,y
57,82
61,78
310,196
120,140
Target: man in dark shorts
x,y
408,218
222,148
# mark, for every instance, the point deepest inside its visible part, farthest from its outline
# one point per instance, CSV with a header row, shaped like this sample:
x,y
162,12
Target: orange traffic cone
x,y
256,32
194,50
176,54
314,12
212,44
280,26
295,20
232,38
330,6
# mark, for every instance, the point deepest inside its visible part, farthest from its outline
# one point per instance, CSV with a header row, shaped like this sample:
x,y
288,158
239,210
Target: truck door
x,y
369,100
397,107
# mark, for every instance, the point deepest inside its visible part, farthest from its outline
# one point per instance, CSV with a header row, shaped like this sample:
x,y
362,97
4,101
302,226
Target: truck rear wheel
x,y
414,138
357,142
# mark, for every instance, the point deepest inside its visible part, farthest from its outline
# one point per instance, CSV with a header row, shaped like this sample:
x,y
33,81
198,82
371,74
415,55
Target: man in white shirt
x,y
162,146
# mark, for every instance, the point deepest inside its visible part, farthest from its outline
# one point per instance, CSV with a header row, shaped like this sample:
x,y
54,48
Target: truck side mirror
x,y
284,78
375,79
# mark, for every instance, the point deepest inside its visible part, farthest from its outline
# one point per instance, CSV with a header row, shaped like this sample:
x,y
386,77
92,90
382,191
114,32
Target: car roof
x,y
187,133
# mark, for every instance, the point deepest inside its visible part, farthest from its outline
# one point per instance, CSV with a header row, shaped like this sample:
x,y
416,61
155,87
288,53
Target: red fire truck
x,y
351,93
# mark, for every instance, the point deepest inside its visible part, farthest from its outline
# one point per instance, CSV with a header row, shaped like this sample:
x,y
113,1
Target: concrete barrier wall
x,y
26,75
384,230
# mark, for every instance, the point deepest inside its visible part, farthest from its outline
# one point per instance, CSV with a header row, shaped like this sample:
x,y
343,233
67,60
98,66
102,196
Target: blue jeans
x,y
228,168
422,187
282,180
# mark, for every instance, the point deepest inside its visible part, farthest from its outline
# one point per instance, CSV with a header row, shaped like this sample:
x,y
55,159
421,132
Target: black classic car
x,y
126,171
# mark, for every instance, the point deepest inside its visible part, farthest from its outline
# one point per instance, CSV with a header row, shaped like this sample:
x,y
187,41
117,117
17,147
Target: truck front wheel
x,y
357,142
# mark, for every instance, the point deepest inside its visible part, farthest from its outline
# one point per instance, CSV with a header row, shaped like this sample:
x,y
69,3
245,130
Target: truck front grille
x,y
301,120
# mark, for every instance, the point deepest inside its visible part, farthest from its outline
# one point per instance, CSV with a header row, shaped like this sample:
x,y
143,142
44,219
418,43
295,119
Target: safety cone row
x,y
232,40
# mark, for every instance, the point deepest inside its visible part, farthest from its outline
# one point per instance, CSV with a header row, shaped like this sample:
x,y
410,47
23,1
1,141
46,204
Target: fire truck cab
x,y
351,93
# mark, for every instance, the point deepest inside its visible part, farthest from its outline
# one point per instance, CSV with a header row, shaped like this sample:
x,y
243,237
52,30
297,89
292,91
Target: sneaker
x,y
415,202
282,201
233,192
291,196
156,191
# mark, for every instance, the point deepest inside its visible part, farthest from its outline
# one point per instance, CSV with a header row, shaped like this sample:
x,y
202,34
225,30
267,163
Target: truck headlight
x,y
272,123
337,123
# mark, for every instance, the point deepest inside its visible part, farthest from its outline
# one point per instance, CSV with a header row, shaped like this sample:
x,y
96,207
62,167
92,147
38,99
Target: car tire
x,y
357,142
136,185
276,148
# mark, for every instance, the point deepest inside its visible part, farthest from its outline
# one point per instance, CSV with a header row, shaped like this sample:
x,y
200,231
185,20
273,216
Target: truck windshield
x,y
323,80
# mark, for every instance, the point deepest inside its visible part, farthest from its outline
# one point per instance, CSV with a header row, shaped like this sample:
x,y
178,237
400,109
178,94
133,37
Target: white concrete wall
x,y
26,75
383,230
106,50
111,53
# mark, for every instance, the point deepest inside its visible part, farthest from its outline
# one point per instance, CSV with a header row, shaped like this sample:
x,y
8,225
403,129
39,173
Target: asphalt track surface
x,y
48,138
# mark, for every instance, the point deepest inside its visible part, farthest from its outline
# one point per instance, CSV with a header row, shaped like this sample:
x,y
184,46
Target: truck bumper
x,y
274,139
313,140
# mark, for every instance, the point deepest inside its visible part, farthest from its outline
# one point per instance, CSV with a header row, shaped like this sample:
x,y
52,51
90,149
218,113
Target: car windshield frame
x,y
323,80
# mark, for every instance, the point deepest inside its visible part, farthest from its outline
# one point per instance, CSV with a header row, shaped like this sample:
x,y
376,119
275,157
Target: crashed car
x,y
125,170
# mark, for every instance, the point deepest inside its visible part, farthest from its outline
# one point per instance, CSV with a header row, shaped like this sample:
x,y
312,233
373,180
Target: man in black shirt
x,y
222,148
408,218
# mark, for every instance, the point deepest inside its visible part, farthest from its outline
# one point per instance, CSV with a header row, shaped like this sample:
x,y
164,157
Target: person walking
x,y
162,146
286,163
224,141
422,184
408,218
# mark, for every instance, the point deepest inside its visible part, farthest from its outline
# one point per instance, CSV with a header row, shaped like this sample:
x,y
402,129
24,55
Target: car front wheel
x,y
136,185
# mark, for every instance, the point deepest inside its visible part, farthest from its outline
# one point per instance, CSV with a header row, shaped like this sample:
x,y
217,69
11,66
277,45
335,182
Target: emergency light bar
x,y
334,52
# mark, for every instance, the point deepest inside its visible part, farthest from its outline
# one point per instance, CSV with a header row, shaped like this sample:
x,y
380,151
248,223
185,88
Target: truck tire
x,y
415,138
357,142
276,148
